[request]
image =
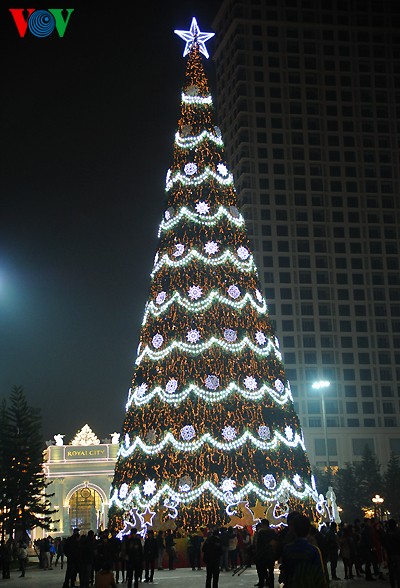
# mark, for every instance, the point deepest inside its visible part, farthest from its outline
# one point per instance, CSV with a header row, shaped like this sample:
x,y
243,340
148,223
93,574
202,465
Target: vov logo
x,y
41,23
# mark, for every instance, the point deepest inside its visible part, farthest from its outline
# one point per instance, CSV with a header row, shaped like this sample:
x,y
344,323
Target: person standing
x,y
232,548
170,549
197,540
212,554
134,554
60,552
333,548
265,551
5,558
161,549
391,545
105,577
22,557
150,551
302,563
72,551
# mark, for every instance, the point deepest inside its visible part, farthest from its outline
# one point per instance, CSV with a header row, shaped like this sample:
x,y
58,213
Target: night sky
x,y
87,130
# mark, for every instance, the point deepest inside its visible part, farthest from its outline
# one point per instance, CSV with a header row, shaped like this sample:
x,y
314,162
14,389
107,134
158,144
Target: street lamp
x,y
320,385
377,500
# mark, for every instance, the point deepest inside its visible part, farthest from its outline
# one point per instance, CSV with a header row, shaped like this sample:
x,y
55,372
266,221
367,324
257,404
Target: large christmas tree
x,y
210,430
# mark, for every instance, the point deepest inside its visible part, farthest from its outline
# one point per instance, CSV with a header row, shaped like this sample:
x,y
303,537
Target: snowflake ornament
x,y
188,432
269,481
233,292
260,338
230,335
179,249
202,207
279,386
229,433
289,433
193,336
161,297
250,382
149,487
171,386
190,169
157,340
123,491
243,252
141,390
264,432
234,211
228,485
195,292
222,169
212,382
211,247
185,484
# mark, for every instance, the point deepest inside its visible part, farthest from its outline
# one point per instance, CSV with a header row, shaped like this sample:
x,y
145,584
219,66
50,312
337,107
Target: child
x,y
105,577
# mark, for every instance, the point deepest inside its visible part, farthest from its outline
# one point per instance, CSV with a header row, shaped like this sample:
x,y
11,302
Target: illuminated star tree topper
x,y
194,35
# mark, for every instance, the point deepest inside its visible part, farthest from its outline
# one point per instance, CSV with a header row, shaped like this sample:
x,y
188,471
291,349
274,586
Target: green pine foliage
x,y
391,485
24,485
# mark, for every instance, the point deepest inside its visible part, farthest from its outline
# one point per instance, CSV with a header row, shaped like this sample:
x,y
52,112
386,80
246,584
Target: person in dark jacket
x,y
265,551
150,551
72,551
212,553
134,554
391,544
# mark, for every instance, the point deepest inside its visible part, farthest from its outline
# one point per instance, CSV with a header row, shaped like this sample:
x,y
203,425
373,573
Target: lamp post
x,y
377,500
320,385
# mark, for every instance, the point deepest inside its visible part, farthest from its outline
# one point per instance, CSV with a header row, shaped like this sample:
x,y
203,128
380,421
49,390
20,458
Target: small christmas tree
x,y
210,429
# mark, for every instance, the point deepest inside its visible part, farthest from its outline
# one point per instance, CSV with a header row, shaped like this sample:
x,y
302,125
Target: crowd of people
x,y
305,554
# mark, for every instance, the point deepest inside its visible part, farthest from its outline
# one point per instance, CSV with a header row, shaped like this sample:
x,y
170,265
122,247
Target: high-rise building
x,y
308,99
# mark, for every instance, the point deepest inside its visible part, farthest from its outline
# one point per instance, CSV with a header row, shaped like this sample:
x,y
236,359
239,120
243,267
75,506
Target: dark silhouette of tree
x,y
391,485
23,479
346,490
368,478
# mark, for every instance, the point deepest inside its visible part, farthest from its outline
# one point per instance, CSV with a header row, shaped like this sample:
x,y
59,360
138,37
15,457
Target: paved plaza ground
x,y
179,578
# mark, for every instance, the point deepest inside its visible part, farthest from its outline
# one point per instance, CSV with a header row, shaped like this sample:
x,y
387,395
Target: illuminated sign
x,y
41,23
79,452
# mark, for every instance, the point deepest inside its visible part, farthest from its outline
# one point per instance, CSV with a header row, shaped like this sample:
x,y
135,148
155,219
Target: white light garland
x,y
197,348
186,142
203,305
206,438
266,495
199,100
227,256
199,179
168,395
211,220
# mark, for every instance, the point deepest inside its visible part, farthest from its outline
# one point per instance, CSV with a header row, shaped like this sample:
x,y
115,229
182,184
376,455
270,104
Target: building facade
x,y
81,474
308,99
